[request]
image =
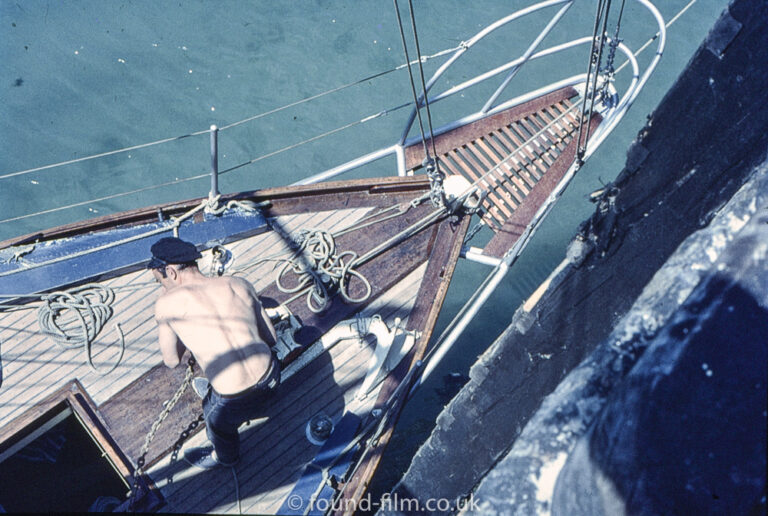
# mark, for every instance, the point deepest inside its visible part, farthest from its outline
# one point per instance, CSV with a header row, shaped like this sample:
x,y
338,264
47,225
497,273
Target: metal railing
x,y
611,115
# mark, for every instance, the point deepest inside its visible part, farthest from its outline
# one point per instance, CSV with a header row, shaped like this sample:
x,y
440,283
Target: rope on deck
x,y
74,318
317,263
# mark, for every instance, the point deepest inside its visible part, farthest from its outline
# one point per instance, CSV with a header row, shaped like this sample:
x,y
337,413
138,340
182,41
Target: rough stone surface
x,y
709,134
734,245
685,432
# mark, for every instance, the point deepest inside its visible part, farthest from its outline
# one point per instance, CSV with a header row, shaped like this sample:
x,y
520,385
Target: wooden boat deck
x,y
275,451
516,157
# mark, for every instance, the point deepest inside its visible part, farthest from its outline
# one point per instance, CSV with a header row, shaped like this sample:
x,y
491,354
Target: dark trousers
x,y
224,414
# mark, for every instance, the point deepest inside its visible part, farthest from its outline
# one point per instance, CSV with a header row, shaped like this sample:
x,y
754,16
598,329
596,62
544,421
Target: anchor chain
x,y
167,407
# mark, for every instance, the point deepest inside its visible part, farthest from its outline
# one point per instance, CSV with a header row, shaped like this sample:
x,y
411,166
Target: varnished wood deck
x,y
275,450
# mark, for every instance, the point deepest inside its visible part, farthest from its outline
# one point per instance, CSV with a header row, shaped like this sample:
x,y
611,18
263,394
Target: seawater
x,y
88,76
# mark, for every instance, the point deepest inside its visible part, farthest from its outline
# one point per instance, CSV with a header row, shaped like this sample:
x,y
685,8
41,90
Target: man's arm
x,y
171,346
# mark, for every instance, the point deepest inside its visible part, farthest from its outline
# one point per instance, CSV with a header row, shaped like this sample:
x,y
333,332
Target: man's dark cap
x,y
172,250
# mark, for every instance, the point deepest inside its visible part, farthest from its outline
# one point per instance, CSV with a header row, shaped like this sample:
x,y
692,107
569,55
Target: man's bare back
x,y
221,321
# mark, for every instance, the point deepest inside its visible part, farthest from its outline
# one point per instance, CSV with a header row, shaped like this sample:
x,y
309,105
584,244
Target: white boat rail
x,y
611,114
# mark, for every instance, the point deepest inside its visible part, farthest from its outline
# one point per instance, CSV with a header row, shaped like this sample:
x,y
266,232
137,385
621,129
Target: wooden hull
x,y
408,282
519,159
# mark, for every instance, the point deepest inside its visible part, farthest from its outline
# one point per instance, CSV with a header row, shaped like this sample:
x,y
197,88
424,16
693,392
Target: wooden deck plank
x,y
517,160
300,397
510,170
475,177
523,154
559,134
483,167
554,132
499,172
486,205
538,136
539,168
562,134
542,141
43,343
516,166
522,140
568,113
516,225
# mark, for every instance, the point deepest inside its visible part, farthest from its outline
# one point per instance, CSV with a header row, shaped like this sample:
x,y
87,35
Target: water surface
x,y
90,76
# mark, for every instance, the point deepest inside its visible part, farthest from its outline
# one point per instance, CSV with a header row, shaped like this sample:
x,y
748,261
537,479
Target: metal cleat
x,y
286,325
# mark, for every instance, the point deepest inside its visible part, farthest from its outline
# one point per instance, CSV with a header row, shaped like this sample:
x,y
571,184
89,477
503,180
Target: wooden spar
x,y
441,266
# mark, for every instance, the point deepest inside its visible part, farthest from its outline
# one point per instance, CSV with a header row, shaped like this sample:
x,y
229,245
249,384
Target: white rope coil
x,y
316,266
75,317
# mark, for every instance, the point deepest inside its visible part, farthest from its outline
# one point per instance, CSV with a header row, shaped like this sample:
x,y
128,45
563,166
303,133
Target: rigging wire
x,y
431,164
609,71
233,124
593,71
102,155
314,138
105,198
421,74
435,175
410,75
656,36
207,174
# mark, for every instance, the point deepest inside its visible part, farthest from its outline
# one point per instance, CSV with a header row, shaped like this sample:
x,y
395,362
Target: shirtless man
x,y
222,323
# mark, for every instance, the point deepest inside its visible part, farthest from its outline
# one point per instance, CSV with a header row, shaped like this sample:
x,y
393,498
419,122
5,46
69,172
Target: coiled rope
x,y
316,266
75,317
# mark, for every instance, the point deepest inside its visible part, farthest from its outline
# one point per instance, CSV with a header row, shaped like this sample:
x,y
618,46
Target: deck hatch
x,y
59,454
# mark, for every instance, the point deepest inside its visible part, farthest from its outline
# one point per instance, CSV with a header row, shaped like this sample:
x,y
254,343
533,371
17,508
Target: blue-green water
x,y
89,76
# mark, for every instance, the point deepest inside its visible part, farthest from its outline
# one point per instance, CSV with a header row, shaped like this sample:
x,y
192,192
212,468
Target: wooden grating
x,y
507,154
